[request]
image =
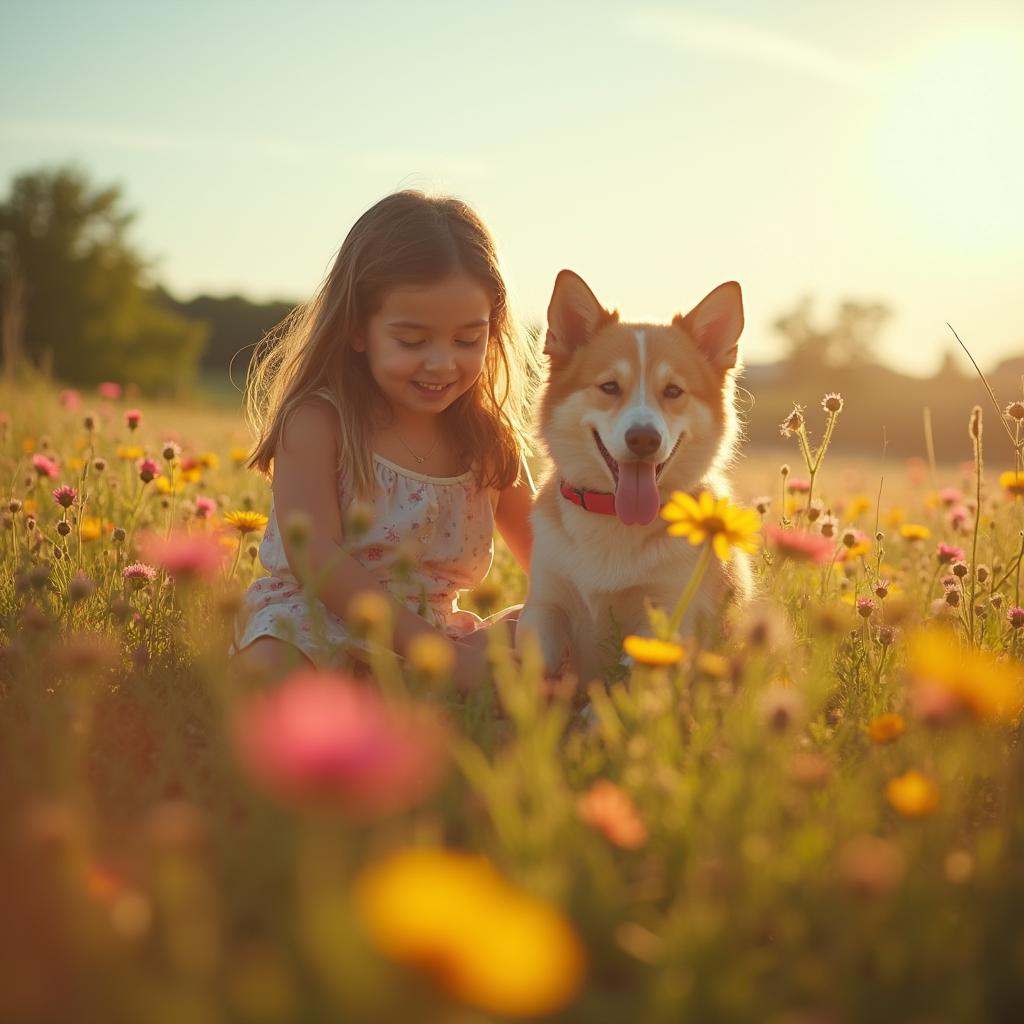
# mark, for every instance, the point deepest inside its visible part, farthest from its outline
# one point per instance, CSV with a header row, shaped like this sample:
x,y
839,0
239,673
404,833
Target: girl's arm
x,y
512,517
305,481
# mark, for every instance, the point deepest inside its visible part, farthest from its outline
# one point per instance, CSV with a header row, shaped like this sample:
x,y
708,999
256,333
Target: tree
x,y
85,304
852,340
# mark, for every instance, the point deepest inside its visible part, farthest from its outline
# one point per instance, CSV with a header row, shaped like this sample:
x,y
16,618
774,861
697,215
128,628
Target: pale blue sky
x,y
867,150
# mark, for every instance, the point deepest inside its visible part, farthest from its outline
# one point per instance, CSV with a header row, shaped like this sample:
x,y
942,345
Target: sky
x,y
867,151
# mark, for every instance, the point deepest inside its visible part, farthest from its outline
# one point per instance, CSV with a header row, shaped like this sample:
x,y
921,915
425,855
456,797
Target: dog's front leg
x,y
547,625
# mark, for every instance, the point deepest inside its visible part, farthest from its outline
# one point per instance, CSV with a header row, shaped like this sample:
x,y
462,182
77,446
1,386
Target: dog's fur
x,y
591,574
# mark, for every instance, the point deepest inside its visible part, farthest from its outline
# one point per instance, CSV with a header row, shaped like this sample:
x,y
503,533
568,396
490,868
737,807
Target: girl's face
x,y
426,344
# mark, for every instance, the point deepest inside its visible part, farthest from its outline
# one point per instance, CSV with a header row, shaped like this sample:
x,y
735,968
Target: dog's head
x,y
640,409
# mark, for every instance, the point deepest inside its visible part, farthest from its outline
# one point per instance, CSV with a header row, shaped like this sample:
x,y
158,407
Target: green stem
x,y
687,595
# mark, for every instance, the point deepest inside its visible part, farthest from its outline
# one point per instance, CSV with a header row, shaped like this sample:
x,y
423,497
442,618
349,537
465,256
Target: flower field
x,y
818,819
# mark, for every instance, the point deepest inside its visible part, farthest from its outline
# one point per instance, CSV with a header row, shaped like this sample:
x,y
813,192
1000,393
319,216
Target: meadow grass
x,y
819,819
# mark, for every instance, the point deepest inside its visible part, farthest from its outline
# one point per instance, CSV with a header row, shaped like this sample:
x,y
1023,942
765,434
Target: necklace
x,y
420,459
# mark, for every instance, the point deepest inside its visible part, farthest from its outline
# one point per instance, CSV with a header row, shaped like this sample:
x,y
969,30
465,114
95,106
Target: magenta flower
x,y
950,496
132,417
184,556
947,553
1015,616
109,389
139,574
205,507
70,399
148,469
324,740
799,545
65,496
45,466
798,486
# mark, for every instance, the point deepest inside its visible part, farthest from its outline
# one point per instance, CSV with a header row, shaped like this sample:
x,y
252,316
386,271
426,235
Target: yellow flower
x,y
859,504
714,665
989,689
165,486
28,444
130,452
649,651
896,515
367,610
454,918
886,728
246,522
208,460
238,455
1012,481
91,528
703,518
73,464
431,655
30,506
914,531
912,794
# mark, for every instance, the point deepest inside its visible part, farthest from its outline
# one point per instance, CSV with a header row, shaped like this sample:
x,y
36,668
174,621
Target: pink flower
x,y
109,389
799,545
205,507
45,466
323,739
132,417
65,496
798,486
70,399
959,516
184,555
947,553
148,468
950,496
139,573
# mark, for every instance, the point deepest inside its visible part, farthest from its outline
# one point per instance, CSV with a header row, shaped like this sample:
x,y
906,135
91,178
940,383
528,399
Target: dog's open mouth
x,y
613,464
636,485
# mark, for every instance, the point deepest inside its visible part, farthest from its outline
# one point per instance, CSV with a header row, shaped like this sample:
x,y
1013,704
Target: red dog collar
x,y
592,501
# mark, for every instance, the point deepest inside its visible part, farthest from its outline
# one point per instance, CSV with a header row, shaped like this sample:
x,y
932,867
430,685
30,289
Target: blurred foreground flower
x,y
800,546
183,555
452,917
886,728
946,678
1012,482
328,741
914,531
245,522
45,466
610,809
648,651
699,519
912,794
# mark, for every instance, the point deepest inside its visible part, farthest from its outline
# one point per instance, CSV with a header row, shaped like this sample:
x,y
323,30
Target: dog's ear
x,y
574,317
715,324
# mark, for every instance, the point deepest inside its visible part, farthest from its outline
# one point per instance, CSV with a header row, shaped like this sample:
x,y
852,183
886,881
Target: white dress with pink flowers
x,y
442,526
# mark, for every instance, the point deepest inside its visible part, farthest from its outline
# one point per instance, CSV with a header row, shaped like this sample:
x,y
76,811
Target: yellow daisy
x,y
914,531
887,728
1012,481
246,522
130,452
649,651
912,794
707,517
238,454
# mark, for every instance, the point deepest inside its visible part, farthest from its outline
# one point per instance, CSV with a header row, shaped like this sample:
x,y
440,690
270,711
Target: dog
x,y
631,412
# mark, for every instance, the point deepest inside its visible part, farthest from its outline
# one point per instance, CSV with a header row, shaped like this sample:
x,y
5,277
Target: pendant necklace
x,y
420,459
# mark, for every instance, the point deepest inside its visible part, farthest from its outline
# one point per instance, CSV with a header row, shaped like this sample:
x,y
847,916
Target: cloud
x,y
706,34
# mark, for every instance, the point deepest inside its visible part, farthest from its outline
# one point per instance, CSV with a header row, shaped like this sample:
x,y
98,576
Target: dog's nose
x,y
643,441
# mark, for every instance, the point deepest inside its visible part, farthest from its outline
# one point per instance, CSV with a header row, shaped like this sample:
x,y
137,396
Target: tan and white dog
x,y
631,413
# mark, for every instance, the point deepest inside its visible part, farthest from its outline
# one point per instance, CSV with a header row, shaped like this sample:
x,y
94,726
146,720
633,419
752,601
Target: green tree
x,y
86,310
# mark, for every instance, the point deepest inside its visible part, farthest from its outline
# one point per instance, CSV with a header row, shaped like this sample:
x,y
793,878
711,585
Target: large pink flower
x,y
183,555
45,466
327,741
799,545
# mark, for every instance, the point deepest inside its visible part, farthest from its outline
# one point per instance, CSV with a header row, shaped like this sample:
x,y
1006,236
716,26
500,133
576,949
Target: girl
x,y
395,408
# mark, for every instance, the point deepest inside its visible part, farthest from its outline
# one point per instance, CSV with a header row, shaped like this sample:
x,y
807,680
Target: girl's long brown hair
x,y
408,238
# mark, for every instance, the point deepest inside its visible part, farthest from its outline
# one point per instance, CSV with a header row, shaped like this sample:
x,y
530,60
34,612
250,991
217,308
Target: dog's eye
x,y
672,391
610,387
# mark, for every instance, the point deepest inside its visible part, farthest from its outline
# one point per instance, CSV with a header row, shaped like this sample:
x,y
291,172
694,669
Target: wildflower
x,y
886,728
432,656
959,518
80,587
1015,410
706,517
171,450
610,809
208,460
945,679
959,570
855,543
763,505
859,504
138,574
793,422
70,399
245,522
832,402
882,589
99,464
133,417
1015,617
947,553
148,470
912,794
799,545
798,486
45,466
65,496
1012,482
205,507
90,528
325,740
183,555
109,389
914,531
865,607
714,665
650,651
828,526
981,573
430,909
950,496
886,635
780,707
118,535
129,452
871,864
238,455
63,528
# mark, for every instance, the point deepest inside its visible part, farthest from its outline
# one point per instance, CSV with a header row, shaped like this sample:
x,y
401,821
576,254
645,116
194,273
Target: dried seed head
x,y
1015,410
832,402
793,422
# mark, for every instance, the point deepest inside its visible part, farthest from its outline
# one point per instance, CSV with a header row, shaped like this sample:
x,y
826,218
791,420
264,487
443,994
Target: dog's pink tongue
x,y
636,497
